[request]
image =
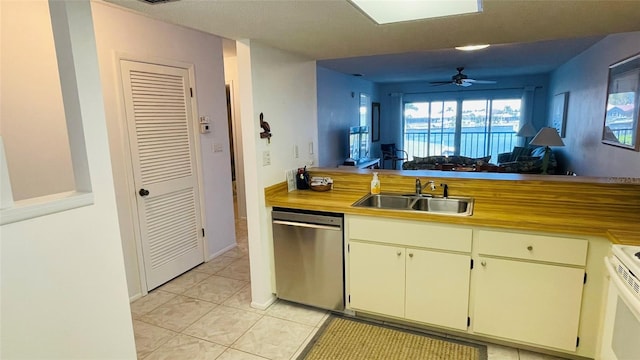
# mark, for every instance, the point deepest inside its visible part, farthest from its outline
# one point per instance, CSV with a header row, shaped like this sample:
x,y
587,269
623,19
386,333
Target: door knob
x,y
143,192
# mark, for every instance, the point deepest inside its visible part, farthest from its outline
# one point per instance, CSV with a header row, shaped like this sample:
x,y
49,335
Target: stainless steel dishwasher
x,y
309,257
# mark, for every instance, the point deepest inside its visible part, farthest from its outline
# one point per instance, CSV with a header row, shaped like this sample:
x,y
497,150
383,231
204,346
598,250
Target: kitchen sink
x,y
385,201
459,206
441,205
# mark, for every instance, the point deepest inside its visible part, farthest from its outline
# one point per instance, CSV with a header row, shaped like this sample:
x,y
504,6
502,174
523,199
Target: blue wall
x,y
338,109
585,77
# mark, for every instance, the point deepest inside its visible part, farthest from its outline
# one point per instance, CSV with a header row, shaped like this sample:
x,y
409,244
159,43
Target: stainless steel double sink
x,y
457,206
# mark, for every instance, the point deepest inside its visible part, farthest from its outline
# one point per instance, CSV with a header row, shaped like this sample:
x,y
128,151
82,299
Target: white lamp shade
x,y
526,130
547,136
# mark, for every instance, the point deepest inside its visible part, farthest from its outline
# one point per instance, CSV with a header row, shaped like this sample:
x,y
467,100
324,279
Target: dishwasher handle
x,y
307,225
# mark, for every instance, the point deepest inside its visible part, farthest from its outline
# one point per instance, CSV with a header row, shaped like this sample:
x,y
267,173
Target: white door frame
x,y
126,148
237,153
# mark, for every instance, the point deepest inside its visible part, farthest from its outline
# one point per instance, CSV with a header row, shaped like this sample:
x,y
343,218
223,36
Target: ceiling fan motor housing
x,y
461,79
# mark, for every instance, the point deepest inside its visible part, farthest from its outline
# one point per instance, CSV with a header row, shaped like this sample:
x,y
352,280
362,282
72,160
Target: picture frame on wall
x,y
559,113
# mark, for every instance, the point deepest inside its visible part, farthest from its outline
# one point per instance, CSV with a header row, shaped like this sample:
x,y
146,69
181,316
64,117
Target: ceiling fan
x,y
461,79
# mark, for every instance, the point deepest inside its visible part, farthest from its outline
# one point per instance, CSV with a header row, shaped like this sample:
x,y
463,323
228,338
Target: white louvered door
x,y
159,118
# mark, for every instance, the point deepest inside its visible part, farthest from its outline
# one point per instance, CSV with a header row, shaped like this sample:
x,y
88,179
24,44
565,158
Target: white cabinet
x,y
410,270
377,278
529,288
437,288
524,288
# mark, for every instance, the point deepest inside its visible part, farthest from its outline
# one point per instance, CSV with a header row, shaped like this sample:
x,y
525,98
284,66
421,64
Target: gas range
x,y
626,261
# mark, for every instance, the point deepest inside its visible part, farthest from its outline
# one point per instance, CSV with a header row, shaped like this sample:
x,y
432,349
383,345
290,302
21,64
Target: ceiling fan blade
x,y
480,81
441,83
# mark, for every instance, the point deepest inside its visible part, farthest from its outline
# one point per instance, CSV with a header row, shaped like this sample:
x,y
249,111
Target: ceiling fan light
x,y
472,47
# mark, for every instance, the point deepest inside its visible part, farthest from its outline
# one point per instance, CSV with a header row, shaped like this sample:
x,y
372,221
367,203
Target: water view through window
x,y
473,128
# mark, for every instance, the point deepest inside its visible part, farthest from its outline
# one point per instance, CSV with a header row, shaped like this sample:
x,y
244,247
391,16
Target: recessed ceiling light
x,y
391,11
472,47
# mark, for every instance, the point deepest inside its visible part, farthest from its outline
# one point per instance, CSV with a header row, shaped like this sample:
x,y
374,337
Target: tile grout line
x,y
243,334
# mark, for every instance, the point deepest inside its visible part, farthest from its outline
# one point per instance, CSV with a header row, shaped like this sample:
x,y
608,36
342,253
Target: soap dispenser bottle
x,y
375,184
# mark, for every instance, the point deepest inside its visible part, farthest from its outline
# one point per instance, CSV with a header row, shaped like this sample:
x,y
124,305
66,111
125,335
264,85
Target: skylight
x,y
391,11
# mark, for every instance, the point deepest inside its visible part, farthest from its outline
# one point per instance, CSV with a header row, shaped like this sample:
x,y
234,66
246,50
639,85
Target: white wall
x,y
585,77
122,33
64,293
35,137
282,86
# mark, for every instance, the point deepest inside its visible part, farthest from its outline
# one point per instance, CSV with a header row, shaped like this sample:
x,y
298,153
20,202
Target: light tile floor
x,y
206,314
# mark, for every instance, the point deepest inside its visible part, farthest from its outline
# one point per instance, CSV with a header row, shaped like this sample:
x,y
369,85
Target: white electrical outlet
x,y
310,147
266,158
217,147
295,151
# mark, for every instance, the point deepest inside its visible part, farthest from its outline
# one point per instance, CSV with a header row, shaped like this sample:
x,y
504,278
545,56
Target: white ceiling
x,y
487,64
335,29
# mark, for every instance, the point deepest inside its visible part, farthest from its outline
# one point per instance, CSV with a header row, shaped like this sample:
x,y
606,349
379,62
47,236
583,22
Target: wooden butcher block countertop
x,y
605,207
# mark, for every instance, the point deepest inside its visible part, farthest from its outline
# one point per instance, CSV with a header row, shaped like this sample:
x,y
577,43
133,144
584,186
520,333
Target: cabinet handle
x,y
399,253
483,263
410,255
529,247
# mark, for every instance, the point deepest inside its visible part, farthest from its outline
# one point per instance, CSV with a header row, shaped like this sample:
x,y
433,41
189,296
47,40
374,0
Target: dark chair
x,y
390,152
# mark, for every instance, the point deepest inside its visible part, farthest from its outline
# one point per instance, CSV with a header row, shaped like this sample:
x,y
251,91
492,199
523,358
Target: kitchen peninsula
x,y
562,204
525,269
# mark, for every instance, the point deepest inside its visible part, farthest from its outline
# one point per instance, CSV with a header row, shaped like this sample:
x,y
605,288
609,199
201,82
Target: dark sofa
x,y
446,163
526,160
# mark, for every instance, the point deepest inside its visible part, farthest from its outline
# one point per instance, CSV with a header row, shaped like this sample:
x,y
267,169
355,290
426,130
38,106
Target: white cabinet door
x,y
377,278
524,301
437,288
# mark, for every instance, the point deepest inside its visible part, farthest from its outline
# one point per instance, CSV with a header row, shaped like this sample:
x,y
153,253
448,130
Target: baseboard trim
x,y
135,297
264,305
220,252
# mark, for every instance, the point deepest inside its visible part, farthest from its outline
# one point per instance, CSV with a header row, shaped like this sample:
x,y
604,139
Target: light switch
x,y
266,158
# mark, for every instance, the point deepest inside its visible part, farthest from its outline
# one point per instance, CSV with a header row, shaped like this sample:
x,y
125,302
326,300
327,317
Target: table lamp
x,y
547,136
526,131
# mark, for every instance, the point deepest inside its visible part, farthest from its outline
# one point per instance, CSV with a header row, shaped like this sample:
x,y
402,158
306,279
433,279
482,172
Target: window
x,y
473,128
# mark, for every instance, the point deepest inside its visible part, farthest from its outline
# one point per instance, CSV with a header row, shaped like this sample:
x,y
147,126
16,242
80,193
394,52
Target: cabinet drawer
x,y
410,233
533,247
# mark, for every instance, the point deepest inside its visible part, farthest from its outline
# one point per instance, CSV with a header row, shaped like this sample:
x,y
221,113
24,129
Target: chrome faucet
x,y
419,186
